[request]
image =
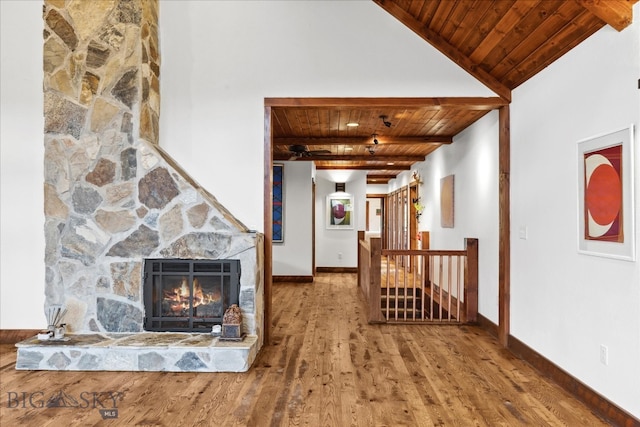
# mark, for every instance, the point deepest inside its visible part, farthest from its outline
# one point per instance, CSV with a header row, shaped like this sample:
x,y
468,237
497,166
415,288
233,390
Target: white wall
x,y
22,268
220,59
339,247
377,188
293,257
473,160
565,304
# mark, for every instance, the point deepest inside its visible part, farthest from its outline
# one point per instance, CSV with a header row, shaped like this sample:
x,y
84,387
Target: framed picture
x,y
447,201
278,204
340,211
605,195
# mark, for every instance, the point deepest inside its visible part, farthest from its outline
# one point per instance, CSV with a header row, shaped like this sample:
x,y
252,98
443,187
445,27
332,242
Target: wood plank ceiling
x,y
502,43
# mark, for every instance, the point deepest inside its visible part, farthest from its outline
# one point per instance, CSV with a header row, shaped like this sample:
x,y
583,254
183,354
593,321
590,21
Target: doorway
x,y
504,236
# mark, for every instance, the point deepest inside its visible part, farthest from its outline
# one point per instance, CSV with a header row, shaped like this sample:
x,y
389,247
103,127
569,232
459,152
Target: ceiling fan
x,y
299,151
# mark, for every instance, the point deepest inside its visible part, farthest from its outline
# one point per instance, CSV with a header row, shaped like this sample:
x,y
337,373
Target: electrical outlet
x,y
339,255
604,354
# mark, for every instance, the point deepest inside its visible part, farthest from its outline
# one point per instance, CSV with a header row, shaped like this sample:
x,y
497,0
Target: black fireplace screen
x,y
188,295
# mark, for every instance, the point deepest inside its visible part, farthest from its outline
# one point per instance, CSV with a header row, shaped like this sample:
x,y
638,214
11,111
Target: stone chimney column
x,y
101,99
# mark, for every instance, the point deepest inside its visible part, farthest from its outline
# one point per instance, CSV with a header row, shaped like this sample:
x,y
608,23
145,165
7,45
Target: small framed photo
x,y
339,211
606,207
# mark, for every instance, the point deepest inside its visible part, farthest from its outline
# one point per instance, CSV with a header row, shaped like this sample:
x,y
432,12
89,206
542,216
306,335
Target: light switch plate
x,y
523,232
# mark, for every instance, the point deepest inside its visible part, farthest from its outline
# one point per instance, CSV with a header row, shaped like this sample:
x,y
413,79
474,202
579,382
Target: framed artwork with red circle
x,y
605,195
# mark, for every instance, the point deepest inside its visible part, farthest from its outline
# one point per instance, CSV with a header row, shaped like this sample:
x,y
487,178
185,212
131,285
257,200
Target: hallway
x,y
326,367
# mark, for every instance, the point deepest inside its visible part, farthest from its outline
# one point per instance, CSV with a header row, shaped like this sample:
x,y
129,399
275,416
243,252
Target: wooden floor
x,y
326,367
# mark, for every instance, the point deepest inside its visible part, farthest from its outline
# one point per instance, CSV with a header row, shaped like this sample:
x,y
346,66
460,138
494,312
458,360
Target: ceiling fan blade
x,y
315,152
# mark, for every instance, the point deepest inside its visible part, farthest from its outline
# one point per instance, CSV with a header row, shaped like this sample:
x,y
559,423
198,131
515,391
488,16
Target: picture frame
x,y
339,211
277,218
447,201
606,205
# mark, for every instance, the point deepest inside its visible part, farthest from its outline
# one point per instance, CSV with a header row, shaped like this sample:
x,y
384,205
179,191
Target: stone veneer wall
x,y
112,196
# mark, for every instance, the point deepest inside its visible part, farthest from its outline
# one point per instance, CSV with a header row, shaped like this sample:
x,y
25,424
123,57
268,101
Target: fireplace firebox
x,y
188,295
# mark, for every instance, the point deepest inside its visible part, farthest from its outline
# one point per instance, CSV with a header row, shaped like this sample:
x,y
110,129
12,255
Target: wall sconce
x,y
340,186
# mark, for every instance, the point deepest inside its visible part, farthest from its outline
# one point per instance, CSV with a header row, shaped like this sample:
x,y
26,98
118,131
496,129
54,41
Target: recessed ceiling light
x,y
352,124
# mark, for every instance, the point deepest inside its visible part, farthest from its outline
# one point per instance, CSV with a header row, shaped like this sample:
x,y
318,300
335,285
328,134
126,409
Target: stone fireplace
x,y
113,197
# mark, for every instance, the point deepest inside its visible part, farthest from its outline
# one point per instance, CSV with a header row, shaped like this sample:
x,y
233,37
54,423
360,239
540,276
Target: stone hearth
x,y
170,351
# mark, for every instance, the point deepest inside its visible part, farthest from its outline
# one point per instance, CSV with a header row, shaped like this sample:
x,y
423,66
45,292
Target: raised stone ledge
x,y
146,351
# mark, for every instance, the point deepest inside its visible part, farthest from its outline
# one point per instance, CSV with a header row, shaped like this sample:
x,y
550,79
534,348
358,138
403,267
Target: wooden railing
x,y
419,286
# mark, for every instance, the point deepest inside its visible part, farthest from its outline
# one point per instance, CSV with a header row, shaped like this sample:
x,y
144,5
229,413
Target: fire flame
x,y
178,297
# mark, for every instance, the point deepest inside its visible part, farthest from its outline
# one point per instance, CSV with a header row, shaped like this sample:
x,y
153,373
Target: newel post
x,y
471,280
360,238
375,312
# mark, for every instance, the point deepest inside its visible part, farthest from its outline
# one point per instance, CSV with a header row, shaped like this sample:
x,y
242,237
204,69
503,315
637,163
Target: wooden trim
x,y
471,281
361,236
365,167
487,325
616,13
313,227
366,216
12,336
337,269
504,249
268,220
358,140
377,179
594,401
375,285
348,157
295,279
479,103
425,239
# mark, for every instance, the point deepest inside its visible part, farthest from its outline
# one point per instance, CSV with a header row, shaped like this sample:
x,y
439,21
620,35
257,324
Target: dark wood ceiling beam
x,y
364,167
444,47
380,177
617,13
354,158
468,103
363,141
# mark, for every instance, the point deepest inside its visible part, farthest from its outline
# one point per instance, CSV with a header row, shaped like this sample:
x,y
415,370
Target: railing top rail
x,y
423,252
